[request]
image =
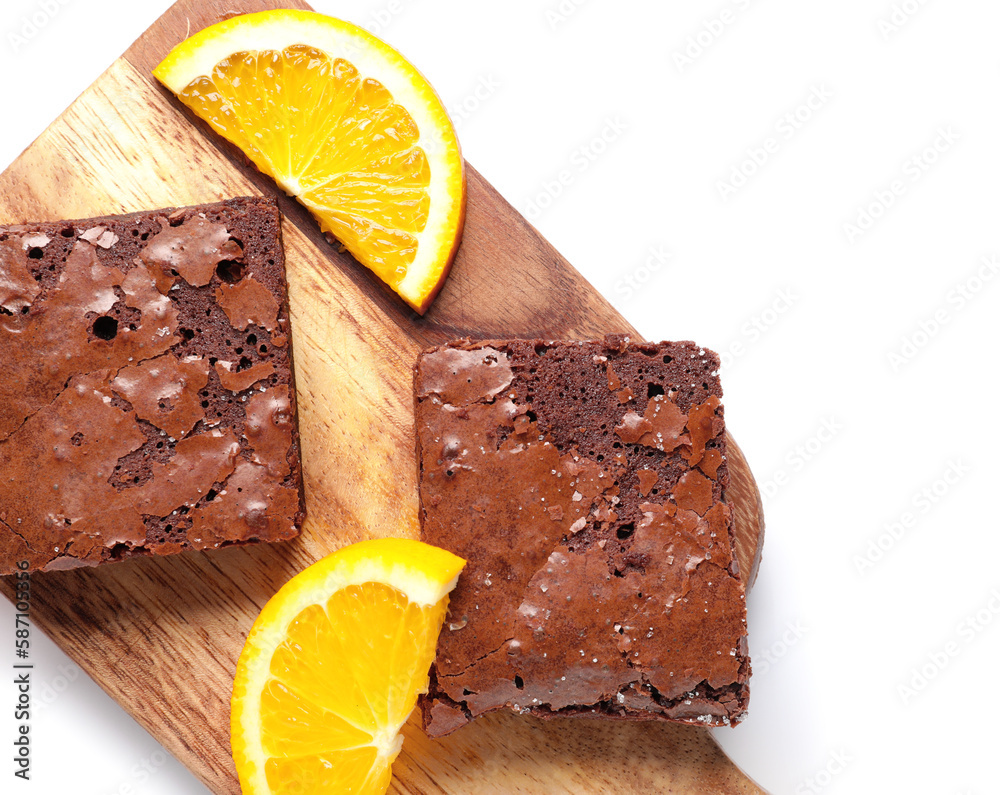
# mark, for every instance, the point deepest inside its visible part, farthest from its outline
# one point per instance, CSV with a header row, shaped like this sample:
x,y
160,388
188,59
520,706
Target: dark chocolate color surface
x,y
585,484
147,401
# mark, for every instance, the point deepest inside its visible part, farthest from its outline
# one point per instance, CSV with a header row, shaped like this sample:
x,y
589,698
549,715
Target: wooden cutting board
x,y
162,636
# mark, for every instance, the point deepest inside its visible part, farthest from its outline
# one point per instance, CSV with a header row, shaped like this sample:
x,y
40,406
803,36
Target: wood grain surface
x,y
162,636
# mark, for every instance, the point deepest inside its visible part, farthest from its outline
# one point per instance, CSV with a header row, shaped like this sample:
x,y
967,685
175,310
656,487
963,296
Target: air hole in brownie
x,y
653,390
541,350
229,271
35,253
518,683
263,349
625,531
204,404
135,233
212,494
212,360
639,595
187,334
168,528
132,327
159,445
208,312
118,551
239,350
619,573
251,339
144,236
531,415
68,232
244,364
466,691
105,328
76,439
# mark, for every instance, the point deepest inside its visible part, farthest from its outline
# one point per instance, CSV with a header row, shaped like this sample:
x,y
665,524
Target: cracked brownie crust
x,y
147,403
585,484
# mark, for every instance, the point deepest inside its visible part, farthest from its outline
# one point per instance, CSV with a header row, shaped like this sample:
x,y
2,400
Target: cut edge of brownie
x,y
178,319
444,712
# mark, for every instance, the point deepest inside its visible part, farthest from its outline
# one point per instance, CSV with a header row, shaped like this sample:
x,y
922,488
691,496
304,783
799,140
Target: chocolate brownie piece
x,y
147,403
585,484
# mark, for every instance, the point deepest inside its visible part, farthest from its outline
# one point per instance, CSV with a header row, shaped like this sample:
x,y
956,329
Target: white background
x,y
860,375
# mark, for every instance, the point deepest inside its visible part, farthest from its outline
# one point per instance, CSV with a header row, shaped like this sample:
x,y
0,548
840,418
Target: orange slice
x,y
333,666
344,123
